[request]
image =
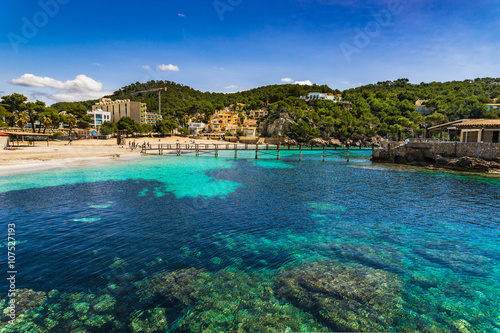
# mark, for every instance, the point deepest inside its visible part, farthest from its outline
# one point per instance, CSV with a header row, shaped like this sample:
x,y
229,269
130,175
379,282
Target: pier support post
x,y
256,151
347,153
323,153
300,153
278,152
236,151
197,149
216,150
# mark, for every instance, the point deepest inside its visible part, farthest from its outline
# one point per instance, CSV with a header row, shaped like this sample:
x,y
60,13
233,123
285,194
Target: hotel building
x,y
127,108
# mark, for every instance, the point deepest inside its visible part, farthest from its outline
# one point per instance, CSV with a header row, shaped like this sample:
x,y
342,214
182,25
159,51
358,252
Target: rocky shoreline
x,y
417,157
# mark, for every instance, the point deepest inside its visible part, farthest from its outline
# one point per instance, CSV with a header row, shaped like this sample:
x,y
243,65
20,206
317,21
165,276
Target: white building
x,y
196,128
322,97
99,117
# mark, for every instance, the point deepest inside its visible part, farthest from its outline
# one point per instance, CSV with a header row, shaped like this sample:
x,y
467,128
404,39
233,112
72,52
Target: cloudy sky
x,y
68,50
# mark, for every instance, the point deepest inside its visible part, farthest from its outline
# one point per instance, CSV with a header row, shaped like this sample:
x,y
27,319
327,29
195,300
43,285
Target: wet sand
x,y
80,152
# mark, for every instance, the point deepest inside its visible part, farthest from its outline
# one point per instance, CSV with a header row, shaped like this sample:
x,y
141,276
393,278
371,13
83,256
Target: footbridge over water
x,y
178,149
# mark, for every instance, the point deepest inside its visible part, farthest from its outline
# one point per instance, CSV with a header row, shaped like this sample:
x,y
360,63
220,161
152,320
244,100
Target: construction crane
x,y
159,95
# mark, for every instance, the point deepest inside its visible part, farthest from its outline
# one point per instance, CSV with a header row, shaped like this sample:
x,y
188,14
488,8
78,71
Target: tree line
x,y
376,110
15,110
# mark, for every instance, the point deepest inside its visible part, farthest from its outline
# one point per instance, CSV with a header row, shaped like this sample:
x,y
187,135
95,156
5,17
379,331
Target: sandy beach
x,y
80,152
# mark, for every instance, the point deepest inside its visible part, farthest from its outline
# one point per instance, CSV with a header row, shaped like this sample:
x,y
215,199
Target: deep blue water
x,y
185,244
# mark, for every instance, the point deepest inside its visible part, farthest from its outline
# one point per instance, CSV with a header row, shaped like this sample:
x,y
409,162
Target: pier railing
x,y
198,149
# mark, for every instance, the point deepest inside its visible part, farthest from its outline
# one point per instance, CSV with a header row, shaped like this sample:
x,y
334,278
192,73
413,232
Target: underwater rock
x,y
117,263
81,308
63,312
176,288
350,298
105,302
425,281
98,321
234,301
150,321
454,258
26,299
376,256
325,207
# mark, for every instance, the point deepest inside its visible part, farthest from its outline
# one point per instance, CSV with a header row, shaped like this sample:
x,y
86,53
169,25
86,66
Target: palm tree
x,y
46,121
21,120
71,121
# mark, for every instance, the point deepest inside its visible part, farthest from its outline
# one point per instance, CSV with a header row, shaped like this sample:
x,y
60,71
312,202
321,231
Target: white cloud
x,y
231,87
181,15
169,68
97,64
304,83
287,80
79,89
146,67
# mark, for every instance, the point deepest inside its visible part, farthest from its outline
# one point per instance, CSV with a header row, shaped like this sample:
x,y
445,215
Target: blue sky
x,y
68,50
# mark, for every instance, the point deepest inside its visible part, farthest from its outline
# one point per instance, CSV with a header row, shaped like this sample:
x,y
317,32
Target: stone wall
x,y
425,153
488,151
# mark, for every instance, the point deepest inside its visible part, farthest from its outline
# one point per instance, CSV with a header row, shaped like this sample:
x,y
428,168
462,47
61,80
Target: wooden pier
x,y
178,149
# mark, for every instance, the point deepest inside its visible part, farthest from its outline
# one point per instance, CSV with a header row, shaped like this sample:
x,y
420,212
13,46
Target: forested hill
x,y
377,110
456,99
180,100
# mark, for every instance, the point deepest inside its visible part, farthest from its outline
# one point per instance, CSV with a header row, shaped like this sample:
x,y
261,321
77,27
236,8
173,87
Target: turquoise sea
x,y
205,244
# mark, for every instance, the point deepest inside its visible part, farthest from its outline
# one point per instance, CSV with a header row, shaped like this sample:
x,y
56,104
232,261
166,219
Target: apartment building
x,y
127,108
223,121
258,114
119,108
99,117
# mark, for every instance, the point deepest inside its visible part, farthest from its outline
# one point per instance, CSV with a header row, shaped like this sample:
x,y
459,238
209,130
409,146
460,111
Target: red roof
x,y
3,134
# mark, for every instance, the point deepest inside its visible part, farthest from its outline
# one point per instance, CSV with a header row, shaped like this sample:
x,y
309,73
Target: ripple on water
x,y
310,247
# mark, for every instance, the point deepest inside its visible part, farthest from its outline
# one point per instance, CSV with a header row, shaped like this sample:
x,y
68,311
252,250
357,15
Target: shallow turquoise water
x,y
183,244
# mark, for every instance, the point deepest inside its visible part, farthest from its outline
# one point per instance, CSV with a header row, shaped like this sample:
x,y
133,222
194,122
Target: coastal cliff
x,y
472,157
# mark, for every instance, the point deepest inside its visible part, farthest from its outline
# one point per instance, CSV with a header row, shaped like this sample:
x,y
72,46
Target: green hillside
x,y
377,110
